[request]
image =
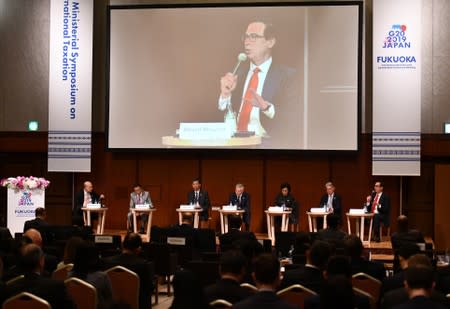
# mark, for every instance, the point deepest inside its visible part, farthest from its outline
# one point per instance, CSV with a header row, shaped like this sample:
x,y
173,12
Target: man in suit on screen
x,y
83,197
264,94
198,196
241,199
139,197
379,204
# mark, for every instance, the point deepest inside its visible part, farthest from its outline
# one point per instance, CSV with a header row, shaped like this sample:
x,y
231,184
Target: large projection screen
x,y
171,83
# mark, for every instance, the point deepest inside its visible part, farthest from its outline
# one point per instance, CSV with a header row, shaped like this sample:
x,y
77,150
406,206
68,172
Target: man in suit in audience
x,y
332,233
397,281
400,296
267,277
130,259
404,234
332,200
198,196
53,291
37,223
379,204
139,197
353,248
241,199
310,275
83,197
234,234
419,282
232,269
51,261
338,281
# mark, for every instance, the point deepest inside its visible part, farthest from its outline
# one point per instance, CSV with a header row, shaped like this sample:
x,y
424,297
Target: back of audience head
x,y
402,224
86,260
32,258
419,277
319,254
266,271
337,292
40,213
405,252
232,263
235,222
353,246
132,242
302,243
71,248
188,292
35,236
338,265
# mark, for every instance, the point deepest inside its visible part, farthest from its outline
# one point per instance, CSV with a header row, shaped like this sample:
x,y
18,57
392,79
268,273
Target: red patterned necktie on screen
x,y
244,115
374,204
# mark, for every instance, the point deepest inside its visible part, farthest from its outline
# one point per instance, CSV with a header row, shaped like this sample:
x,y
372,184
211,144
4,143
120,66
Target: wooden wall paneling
x,y
441,207
306,177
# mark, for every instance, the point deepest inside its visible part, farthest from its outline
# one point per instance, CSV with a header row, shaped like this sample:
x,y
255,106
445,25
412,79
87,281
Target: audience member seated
x,y
53,291
51,261
404,253
232,270
38,222
419,282
267,277
86,267
234,234
337,291
15,267
185,229
251,249
69,251
332,233
310,275
353,248
187,291
130,259
400,296
404,234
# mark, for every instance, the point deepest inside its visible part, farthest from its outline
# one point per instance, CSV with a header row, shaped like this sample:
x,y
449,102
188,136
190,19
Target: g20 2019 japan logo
x,y
25,199
396,37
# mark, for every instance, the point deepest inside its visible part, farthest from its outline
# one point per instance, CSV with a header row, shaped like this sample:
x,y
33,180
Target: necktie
x,y
196,196
330,201
374,204
139,199
244,115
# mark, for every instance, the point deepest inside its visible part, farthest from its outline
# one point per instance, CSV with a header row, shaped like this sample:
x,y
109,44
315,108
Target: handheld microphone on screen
x,y
241,58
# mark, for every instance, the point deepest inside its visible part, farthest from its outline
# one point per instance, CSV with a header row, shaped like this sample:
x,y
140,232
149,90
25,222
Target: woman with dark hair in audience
x,y
86,267
69,251
188,292
285,198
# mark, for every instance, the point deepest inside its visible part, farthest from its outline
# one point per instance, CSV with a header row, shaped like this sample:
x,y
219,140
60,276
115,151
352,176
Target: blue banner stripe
x,y
396,145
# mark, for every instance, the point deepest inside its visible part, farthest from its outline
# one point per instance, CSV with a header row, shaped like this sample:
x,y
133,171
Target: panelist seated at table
x,y
331,200
198,196
241,199
379,204
234,234
139,197
285,198
85,196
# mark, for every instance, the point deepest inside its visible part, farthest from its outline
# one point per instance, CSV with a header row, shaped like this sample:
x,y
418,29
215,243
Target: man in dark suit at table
x,y
130,259
332,200
265,94
200,197
83,197
53,291
267,277
241,199
139,197
379,204
37,223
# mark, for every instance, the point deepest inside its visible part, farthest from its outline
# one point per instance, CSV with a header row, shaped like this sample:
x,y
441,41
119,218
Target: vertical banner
x,y
70,85
21,207
396,87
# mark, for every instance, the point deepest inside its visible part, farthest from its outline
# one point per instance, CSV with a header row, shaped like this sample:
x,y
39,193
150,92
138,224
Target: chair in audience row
x,y
367,284
296,294
220,304
83,294
26,300
62,272
125,286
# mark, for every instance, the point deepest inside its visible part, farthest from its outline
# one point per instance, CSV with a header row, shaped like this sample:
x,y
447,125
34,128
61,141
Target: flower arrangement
x,y
24,183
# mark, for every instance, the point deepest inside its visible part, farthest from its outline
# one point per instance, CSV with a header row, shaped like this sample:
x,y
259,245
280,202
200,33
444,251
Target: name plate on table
x,y
317,210
228,207
275,208
142,206
204,130
94,206
356,211
103,239
187,207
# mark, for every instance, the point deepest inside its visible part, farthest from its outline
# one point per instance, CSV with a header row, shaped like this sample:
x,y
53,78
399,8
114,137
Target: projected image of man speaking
x,y
264,93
